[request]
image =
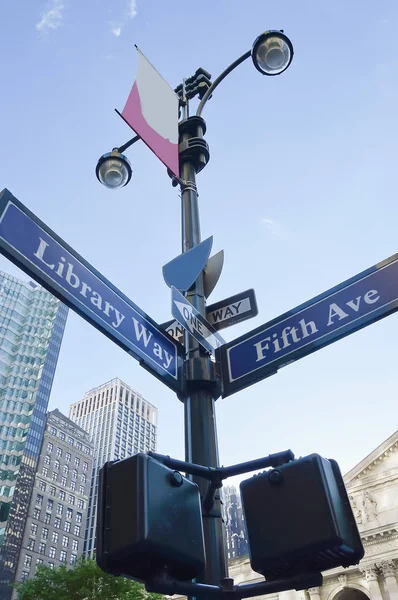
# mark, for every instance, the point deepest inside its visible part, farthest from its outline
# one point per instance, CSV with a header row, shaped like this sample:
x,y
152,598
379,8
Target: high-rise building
x,y
57,514
32,323
120,423
235,523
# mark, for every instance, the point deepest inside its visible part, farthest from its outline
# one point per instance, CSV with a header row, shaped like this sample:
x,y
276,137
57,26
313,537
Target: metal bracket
x,y
188,185
163,584
216,475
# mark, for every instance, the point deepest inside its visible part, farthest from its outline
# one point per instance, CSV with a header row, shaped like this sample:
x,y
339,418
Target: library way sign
x,y
355,303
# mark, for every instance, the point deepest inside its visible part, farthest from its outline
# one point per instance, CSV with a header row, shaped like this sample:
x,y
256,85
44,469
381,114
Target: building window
x,y
36,513
81,489
77,461
31,544
63,480
76,530
24,576
67,526
56,465
27,561
57,522
73,485
74,474
39,500
86,450
83,478
67,457
53,431
79,445
61,495
62,556
51,554
54,476
65,541
61,435
59,452
44,533
42,548
75,545
78,517
44,471
54,537
69,513
39,561
47,518
33,529
80,504
46,460
50,504
51,564
71,499
60,509
52,490
65,469
42,485
85,466
71,441
73,558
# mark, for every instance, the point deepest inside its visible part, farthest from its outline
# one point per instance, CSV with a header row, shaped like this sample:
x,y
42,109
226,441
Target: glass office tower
x,y
32,323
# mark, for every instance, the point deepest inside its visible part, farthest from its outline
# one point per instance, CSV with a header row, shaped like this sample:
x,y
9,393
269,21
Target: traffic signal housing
x,y
149,520
299,519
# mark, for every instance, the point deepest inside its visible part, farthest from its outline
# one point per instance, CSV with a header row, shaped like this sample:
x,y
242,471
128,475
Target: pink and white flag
x,y
152,111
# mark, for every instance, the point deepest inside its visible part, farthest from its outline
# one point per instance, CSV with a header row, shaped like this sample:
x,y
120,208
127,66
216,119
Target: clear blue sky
x,y
300,192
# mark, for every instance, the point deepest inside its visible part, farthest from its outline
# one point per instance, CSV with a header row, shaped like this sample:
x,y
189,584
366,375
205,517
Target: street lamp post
x,y
272,53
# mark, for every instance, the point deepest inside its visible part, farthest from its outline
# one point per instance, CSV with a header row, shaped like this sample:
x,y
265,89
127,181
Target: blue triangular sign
x,y
183,271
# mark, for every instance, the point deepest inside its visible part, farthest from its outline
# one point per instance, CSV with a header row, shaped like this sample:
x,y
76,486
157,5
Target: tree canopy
x,y
83,581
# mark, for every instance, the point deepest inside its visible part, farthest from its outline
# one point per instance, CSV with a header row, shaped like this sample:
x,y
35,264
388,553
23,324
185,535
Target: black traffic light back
x,y
299,519
149,519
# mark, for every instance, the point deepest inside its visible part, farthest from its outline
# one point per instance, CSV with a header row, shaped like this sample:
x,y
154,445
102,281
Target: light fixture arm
x,y
219,79
133,140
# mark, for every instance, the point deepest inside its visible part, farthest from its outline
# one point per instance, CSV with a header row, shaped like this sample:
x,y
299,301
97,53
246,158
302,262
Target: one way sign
x,y
192,320
224,313
232,310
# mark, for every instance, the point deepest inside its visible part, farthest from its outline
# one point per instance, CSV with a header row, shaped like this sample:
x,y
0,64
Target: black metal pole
x,y
201,445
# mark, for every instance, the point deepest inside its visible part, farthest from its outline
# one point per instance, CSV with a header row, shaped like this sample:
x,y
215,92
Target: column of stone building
x,y
315,593
289,595
387,569
370,572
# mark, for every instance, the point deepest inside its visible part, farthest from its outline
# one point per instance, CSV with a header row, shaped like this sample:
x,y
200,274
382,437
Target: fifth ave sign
x,y
355,303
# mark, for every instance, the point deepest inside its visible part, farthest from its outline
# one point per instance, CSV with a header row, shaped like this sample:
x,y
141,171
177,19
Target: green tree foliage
x,y
83,581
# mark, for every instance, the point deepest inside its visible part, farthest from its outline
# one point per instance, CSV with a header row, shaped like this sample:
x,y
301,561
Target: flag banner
x,y
152,111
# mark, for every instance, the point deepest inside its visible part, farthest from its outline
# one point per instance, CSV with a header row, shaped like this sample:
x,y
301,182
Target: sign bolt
x,y
275,477
176,479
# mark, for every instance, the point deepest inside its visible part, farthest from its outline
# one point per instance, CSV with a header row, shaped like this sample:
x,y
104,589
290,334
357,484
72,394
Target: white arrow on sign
x,y
222,314
192,320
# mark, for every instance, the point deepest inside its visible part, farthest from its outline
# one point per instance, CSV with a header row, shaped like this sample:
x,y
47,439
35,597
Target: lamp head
x,y
113,170
272,52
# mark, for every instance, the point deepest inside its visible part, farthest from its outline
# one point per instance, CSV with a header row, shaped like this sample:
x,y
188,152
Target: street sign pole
x,y
199,401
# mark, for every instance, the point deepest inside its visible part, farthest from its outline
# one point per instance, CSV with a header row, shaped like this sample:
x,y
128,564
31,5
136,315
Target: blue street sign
x,y
355,303
193,322
38,251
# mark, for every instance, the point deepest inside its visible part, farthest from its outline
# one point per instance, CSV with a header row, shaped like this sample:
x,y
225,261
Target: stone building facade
x,y
57,514
373,490
120,423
